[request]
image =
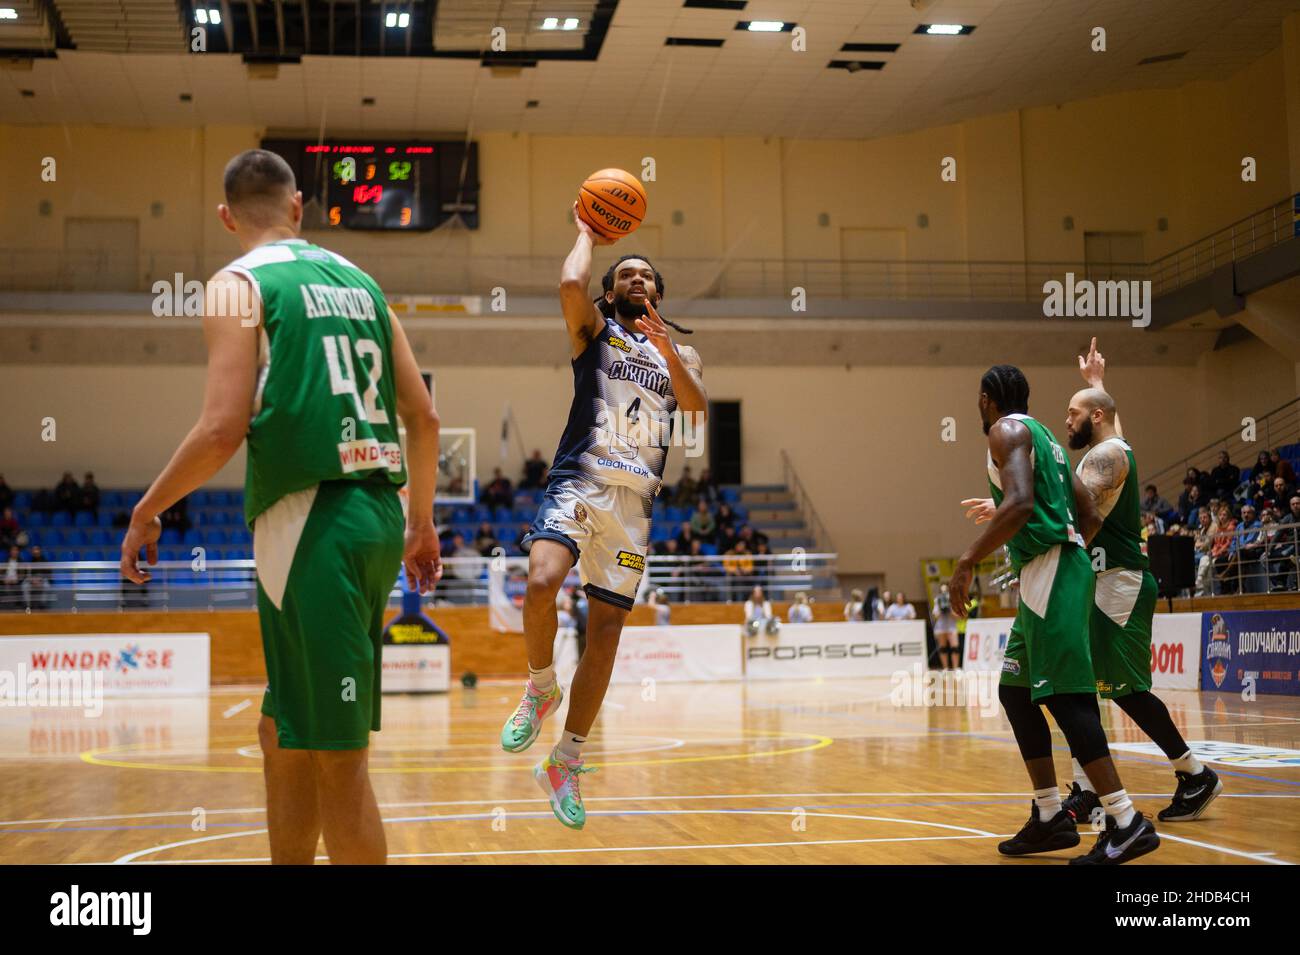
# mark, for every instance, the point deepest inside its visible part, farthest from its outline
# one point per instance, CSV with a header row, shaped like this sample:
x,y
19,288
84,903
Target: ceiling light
x,y
766,26
570,23
944,29
207,15
399,20
550,23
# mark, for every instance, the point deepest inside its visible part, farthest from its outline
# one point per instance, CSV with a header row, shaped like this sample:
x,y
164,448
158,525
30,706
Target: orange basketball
x,y
612,202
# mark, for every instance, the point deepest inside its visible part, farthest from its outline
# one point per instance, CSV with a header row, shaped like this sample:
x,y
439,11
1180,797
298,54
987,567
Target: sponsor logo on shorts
x,y
1011,666
630,560
619,343
580,512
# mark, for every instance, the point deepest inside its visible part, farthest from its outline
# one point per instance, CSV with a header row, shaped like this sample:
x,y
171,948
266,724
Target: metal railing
x,y
442,272
1257,560
97,586
1256,232
807,510
1277,428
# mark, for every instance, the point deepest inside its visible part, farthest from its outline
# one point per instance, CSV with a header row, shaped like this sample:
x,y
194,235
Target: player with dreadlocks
x,y
1048,660
629,378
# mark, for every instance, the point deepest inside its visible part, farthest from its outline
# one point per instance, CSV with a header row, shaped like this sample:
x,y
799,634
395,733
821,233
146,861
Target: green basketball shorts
x,y
1121,631
327,559
1048,649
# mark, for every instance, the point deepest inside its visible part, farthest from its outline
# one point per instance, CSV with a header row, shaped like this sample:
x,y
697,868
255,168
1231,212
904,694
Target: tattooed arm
x,y
1103,473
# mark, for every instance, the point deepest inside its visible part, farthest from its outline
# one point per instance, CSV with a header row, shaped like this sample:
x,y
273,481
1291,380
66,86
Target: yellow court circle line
x,y
95,758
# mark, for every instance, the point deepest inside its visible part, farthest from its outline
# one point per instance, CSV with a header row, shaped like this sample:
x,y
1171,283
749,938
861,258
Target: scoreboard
x,y
402,186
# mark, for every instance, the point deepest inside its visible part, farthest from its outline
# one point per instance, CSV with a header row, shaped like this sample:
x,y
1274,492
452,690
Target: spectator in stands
x,y
1152,525
1284,555
1152,501
485,541
853,610
499,493
67,496
1189,504
9,528
707,488
702,522
1221,553
698,572
686,538
685,495
752,536
725,517
759,617
1249,548
1202,543
663,611
1260,493
881,607
801,610
900,609
90,494
456,548
1225,477
1279,465
38,580
1263,462
665,548
6,493
534,472
1282,492
762,566
738,565
12,594
945,630
726,539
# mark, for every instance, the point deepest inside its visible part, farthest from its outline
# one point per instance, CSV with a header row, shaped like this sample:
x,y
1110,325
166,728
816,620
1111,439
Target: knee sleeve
x,y
1080,720
1151,715
1033,735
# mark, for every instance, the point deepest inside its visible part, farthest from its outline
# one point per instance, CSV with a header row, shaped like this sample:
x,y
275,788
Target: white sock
x,y
1187,763
570,745
1081,777
543,679
1119,807
1048,802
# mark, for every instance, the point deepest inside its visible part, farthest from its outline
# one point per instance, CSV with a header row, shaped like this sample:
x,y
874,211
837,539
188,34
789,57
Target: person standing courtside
x,y
314,374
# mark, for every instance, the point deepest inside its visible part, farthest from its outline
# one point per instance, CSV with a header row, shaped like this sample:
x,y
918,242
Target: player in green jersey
x,y
1047,660
308,363
1125,601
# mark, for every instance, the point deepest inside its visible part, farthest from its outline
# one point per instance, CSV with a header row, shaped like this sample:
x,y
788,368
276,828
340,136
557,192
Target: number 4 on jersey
x,y
343,379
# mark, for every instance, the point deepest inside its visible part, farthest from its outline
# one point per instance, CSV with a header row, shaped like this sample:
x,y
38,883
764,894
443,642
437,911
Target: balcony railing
x,y
435,273
91,586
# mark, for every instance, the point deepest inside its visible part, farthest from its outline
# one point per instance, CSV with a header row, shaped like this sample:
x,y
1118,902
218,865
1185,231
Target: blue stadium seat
x,y
219,498
60,519
241,536
214,537
99,537
170,537
105,518
709,550
22,501
32,519
84,519
197,498
74,537
192,538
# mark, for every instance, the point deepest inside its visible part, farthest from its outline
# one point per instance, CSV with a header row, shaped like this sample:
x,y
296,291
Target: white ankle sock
x,y
1187,763
1048,802
570,745
1081,777
1119,807
543,679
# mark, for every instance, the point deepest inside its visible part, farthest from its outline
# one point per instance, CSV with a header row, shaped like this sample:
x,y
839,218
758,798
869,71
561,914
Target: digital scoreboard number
x,y
407,186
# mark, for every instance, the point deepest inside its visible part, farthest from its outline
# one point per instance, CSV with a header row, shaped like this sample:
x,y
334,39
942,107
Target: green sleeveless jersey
x,y
1052,521
1120,536
326,406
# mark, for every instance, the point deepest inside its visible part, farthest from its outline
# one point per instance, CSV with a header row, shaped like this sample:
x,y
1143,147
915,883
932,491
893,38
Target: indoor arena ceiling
x,y
623,67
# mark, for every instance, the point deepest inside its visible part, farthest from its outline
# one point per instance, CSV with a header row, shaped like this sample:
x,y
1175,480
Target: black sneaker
x,y
1115,846
1193,796
1035,836
1081,804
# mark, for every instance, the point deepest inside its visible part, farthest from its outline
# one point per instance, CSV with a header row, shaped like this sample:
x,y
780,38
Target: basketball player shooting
x,y
628,379
1047,660
314,375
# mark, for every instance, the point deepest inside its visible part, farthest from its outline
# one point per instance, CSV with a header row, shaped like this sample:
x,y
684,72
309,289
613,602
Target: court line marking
x,y
93,757
967,833
590,799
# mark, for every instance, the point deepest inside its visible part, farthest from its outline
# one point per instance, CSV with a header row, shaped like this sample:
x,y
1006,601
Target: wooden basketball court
x,y
808,772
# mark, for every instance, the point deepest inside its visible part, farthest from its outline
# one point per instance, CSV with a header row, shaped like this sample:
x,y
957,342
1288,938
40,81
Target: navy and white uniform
x,y
610,462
